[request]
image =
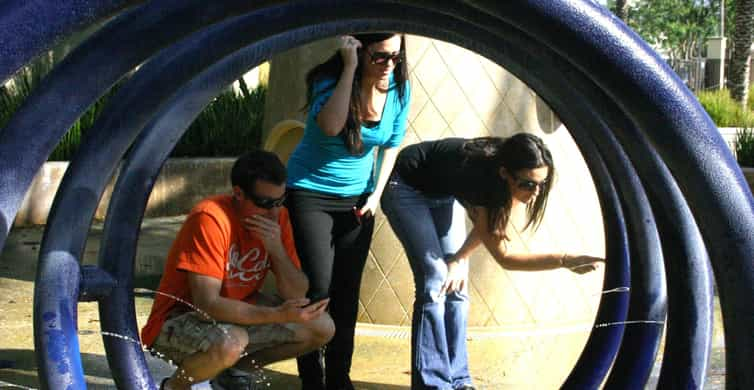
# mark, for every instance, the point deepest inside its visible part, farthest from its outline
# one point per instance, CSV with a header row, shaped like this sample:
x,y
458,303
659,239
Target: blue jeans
x,y
431,230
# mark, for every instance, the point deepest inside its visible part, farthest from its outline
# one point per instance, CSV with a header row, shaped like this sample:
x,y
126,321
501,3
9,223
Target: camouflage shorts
x,y
188,333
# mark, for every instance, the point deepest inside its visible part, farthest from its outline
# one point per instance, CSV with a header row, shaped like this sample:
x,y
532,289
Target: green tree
x,y
679,28
743,32
621,9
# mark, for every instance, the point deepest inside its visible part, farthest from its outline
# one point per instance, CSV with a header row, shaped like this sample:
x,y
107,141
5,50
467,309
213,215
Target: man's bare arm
x,y
205,294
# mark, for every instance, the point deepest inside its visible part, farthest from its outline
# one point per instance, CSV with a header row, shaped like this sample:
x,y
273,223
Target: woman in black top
x,y
431,185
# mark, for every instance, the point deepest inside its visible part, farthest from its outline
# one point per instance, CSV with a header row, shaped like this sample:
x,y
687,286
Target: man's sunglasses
x,y
265,202
382,57
530,185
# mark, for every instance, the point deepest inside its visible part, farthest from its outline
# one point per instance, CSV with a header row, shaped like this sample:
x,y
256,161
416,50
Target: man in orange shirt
x,y
209,314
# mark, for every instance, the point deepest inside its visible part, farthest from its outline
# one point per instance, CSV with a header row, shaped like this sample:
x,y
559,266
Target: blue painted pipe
x,y
639,344
95,283
89,201
143,179
687,347
56,343
648,91
162,21
645,305
118,125
604,342
638,349
680,237
32,26
648,301
572,17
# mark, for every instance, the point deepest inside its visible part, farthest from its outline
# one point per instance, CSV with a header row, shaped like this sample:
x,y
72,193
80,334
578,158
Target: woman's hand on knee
x,y
457,277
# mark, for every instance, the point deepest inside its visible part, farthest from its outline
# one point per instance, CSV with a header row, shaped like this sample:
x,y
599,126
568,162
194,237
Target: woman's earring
x,y
503,173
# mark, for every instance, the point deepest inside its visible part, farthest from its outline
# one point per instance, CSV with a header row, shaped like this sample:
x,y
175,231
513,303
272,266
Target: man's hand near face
x,y
268,231
291,281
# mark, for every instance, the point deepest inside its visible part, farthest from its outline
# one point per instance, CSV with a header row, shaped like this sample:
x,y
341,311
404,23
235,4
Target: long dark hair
x,y
519,152
333,67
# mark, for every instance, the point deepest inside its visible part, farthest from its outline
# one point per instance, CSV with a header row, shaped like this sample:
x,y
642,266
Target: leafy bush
x,y
12,95
15,93
228,126
723,110
69,143
745,147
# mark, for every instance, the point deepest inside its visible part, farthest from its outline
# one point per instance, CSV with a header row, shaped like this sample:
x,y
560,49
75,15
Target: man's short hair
x,y
256,165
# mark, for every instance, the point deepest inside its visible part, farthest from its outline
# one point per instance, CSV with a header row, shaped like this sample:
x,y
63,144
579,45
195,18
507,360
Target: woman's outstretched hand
x,y
349,50
581,264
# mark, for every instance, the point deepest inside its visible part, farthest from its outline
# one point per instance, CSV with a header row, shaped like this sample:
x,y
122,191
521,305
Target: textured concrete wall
x,y
181,183
287,74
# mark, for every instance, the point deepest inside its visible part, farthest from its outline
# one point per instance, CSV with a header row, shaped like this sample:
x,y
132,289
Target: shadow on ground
x,y
380,360
18,367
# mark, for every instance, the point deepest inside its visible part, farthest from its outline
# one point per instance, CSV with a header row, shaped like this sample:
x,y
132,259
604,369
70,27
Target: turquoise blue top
x,y
323,164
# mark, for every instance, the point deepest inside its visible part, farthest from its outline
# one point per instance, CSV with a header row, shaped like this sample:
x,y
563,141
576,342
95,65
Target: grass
x,y
745,147
724,111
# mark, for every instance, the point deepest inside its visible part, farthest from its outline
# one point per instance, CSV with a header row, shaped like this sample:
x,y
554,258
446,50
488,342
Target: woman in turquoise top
x,y
358,104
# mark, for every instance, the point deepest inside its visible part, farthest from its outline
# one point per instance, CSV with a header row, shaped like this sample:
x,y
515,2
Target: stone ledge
x,y
182,182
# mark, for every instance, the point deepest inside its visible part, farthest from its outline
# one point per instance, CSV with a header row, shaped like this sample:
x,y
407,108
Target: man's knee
x,y
320,330
228,348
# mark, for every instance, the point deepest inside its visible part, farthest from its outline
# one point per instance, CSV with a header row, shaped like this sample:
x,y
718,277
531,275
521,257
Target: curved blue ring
x,y
590,36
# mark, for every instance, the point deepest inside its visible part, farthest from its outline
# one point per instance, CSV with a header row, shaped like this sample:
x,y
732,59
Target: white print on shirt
x,y
247,267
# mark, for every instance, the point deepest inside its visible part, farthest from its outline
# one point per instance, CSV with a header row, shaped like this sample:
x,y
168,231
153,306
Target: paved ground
x,y
381,354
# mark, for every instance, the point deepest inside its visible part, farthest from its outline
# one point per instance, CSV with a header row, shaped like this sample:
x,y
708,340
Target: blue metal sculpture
x,y
670,190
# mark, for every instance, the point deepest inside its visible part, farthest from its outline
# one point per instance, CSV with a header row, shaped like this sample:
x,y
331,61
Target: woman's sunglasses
x,y
530,185
266,203
382,57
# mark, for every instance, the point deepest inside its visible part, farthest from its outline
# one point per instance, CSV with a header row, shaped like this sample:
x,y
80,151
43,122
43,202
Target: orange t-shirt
x,y
213,242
